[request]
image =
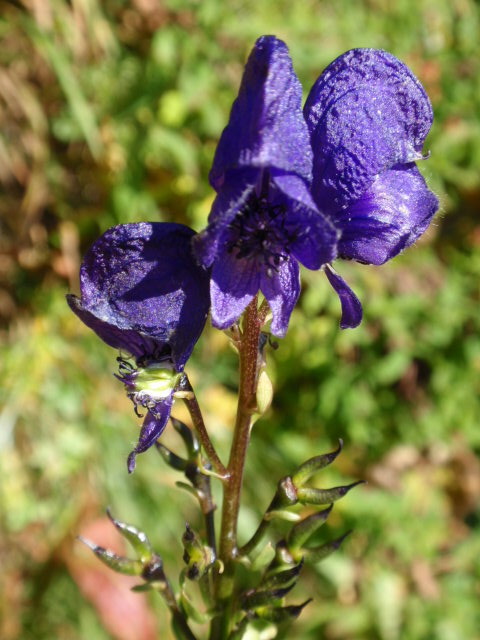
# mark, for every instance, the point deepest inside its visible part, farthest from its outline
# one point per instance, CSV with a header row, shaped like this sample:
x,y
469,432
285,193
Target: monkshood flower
x,y
368,118
143,292
337,180
263,221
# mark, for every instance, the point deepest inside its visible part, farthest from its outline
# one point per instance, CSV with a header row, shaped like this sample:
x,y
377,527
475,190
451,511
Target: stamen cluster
x,y
258,232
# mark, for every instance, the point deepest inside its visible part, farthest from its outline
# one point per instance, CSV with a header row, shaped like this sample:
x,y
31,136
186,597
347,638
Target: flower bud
x,y
135,537
281,614
196,555
188,437
118,563
308,495
171,458
254,598
311,466
319,553
264,392
282,577
302,531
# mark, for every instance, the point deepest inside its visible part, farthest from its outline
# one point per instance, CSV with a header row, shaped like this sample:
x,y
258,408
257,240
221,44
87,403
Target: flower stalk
x,y
250,362
195,412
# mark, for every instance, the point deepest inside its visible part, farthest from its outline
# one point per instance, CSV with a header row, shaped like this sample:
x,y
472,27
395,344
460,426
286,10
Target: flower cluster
x,y
336,179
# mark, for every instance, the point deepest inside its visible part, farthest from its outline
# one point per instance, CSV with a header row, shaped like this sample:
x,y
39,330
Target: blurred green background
x,y
110,112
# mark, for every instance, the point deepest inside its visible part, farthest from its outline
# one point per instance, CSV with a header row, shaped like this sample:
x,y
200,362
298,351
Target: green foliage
x,y
109,113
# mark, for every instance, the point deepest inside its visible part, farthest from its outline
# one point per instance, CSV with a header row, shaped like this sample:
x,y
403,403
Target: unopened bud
x,y
138,539
197,556
302,531
264,392
188,437
282,577
281,614
259,598
310,467
320,553
308,495
171,458
118,563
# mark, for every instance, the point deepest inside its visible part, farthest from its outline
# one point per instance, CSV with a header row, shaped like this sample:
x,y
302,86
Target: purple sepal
x,y
352,312
134,342
389,217
266,126
143,292
366,113
153,426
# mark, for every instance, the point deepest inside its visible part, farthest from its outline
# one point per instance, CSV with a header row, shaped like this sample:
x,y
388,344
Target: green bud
x,y
281,614
282,577
135,537
310,467
171,458
320,553
118,563
264,392
302,531
258,598
188,437
308,495
196,555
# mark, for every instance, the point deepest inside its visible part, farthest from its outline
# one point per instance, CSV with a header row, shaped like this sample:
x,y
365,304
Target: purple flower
x,y
142,292
368,118
264,220
337,180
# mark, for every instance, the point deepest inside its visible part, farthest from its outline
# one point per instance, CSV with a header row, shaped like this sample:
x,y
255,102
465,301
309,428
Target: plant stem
x,y
249,367
199,425
256,538
179,624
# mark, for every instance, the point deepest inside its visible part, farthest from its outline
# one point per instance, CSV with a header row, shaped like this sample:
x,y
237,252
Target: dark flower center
x,y
259,232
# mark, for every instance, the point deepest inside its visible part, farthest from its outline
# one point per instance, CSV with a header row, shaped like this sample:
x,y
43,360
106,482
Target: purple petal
x,y
315,237
281,289
366,113
153,426
229,201
143,279
351,307
266,126
234,284
390,216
